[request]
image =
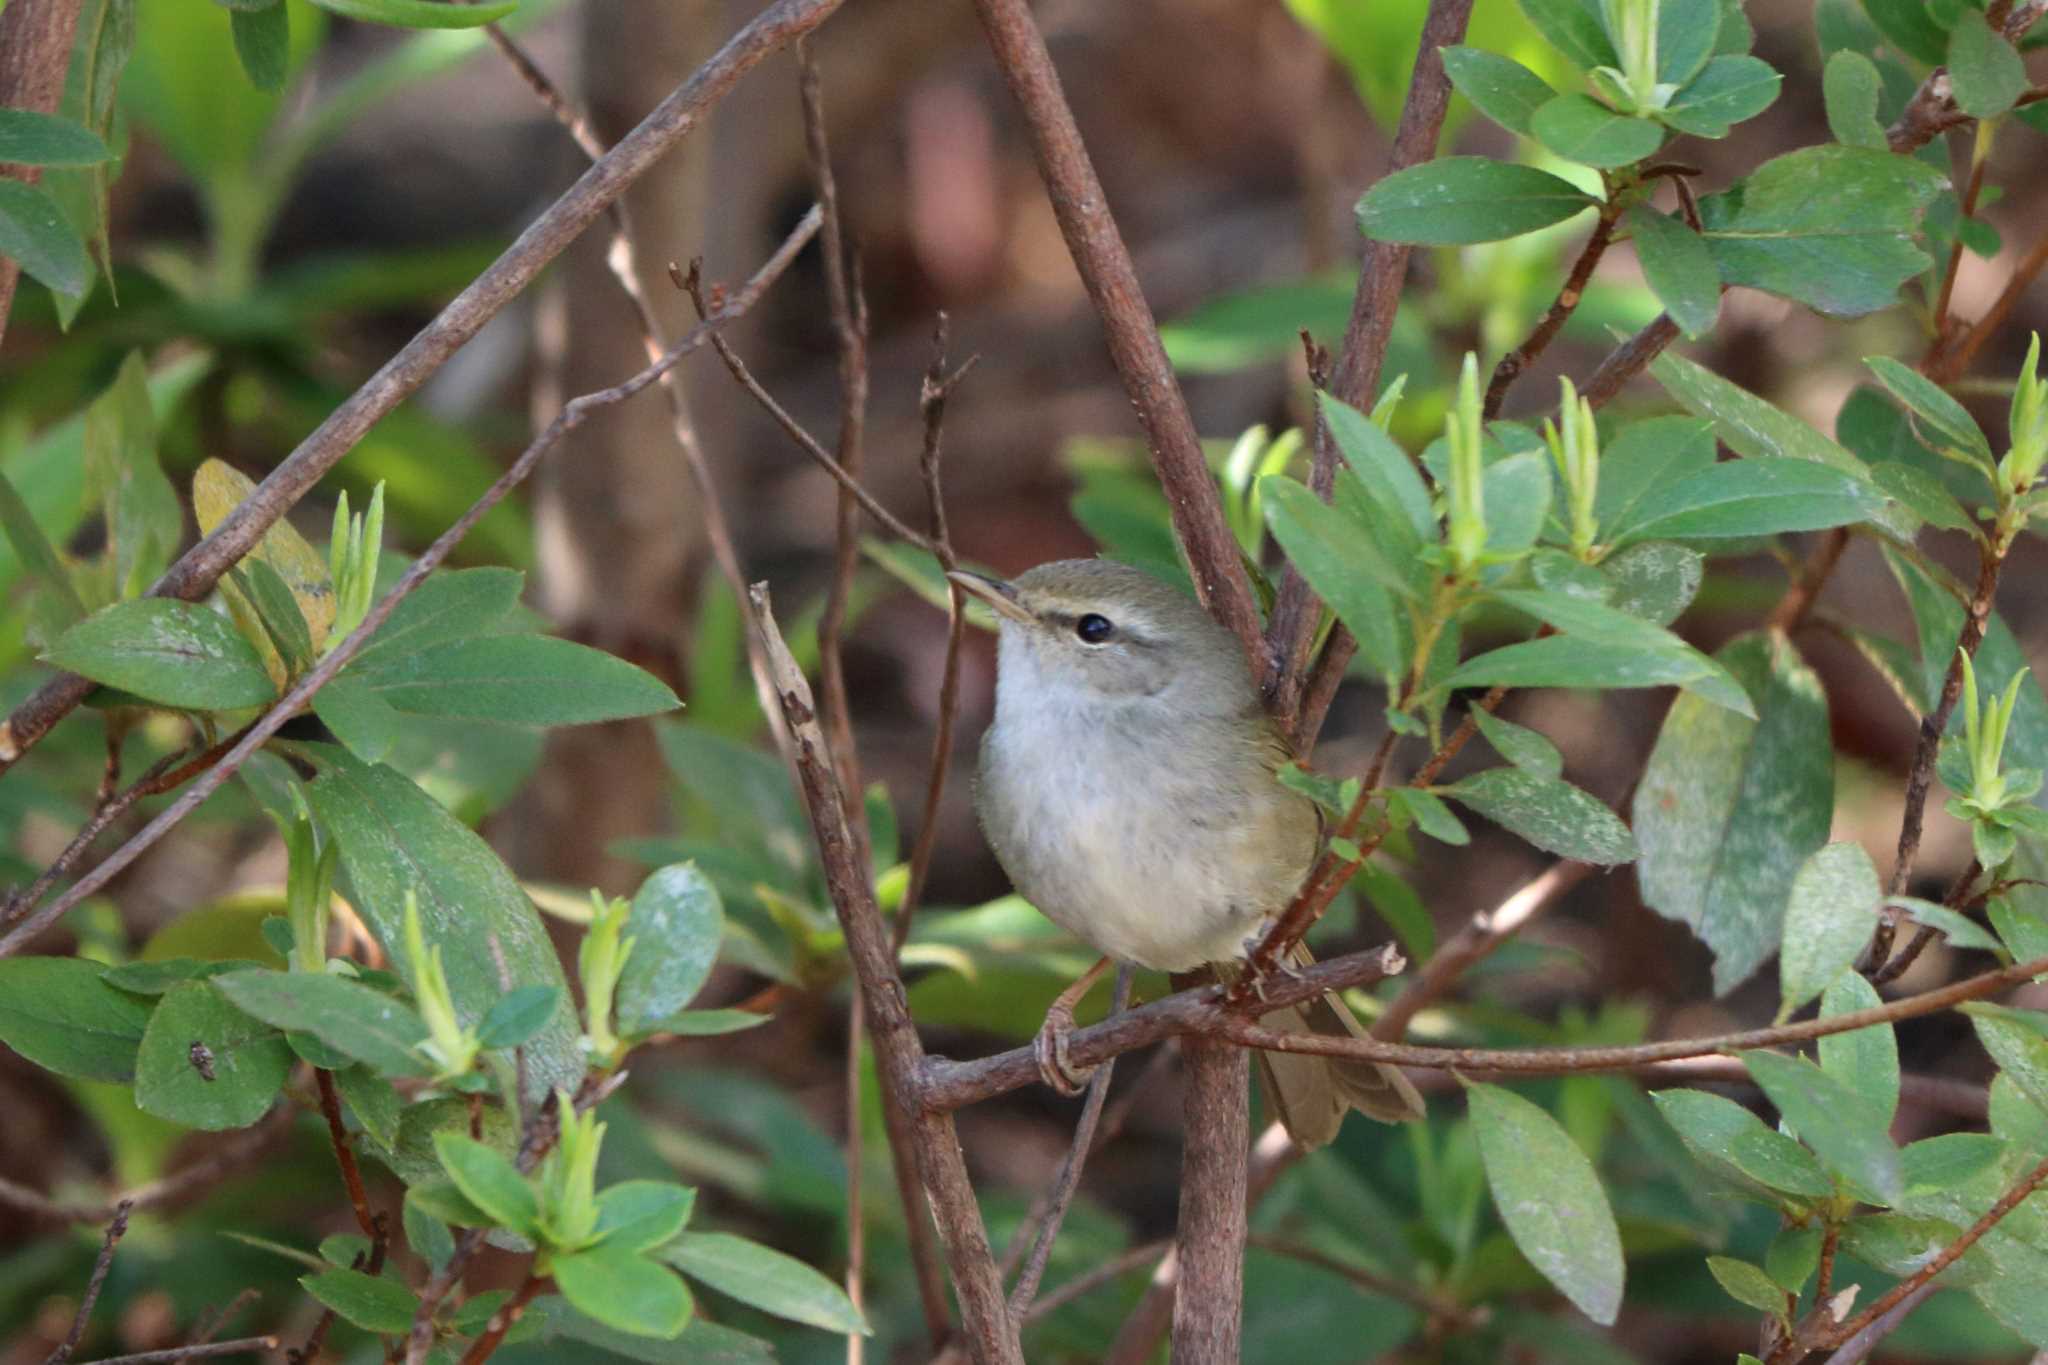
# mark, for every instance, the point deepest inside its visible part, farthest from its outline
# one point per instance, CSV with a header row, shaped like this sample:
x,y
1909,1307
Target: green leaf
x,y
1865,1059
1828,920
2017,1043
1597,623
263,41
1655,580
174,653
1748,1285
394,838
157,976
1985,72
1941,1163
1573,27
711,1023
1523,747
1574,661
516,680
1728,808
1946,425
1938,616
1960,930
1737,499
427,1235
1384,470
418,13
1679,268
450,605
373,1100
764,1278
61,1014
701,1342
639,1215
1550,1199
1911,27
490,1181
518,1016
1644,456
32,139
277,612
1580,128
1339,560
344,1247
57,606
1793,1256
624,1290
1723,1132
34,231
1459,200
1518,490
1845,1130
371,1302
1555,816
1430,814
143,519
1686,36
1831,227
1748,424
359,717
1922,494
1899,1244
1728,90
1851,88
205,1064
1499,87
676,924
347,1016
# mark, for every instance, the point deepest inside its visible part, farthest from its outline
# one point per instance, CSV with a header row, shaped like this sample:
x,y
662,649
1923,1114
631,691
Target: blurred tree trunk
x,y
35,51
618,527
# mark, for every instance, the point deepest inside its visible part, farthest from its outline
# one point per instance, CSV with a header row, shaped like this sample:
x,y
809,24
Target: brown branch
x,y
937,388
1483,933
856,1140
1980,161
1958,895
116,1230
809,444
225,1158
345,1157
197,570
1068,1181
504,1320
198,1350
1855,1350
573,414
1629,359
1104,263
1208,1314
991,1334
1293,689
1798,602
949,1084
35,51
1115,1268
1947,1256
1554,317
1954,362
622,260
1920,777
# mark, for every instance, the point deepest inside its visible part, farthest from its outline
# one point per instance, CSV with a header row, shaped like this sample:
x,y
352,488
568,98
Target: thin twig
x,y
1115,1268
1104,263
116,1229
224,1160
1858,1348
1799,599
950,1084
1956,361
937,388
1958,895
504,1320
1435,1305
345,1157
1068,1181
198,1350
1980,160
573,414
990,1332
1629,359
1300,698
1946,1257
1554,317
199,568
856,1162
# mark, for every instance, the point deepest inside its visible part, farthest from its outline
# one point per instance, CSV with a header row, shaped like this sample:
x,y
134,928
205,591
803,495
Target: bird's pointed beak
x,y
1001,596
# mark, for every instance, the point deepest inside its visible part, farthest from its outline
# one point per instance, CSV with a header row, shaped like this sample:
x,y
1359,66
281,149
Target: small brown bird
x,y
1128,787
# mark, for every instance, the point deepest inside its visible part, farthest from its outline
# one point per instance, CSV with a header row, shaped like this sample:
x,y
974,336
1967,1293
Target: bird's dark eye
x,y
1094,629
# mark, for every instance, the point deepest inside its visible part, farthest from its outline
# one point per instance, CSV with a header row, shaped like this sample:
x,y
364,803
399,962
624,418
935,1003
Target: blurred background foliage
x,y
269,247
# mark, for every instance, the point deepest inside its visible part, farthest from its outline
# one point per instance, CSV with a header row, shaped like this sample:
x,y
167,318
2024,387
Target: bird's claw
x,y
1055,1067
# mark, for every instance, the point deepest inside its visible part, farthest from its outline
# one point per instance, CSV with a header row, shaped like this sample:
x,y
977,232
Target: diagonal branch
x,y
1104,263
573,414
199,568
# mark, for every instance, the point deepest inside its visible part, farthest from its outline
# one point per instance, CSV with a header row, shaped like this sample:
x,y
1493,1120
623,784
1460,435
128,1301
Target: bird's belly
x,y
1128,877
